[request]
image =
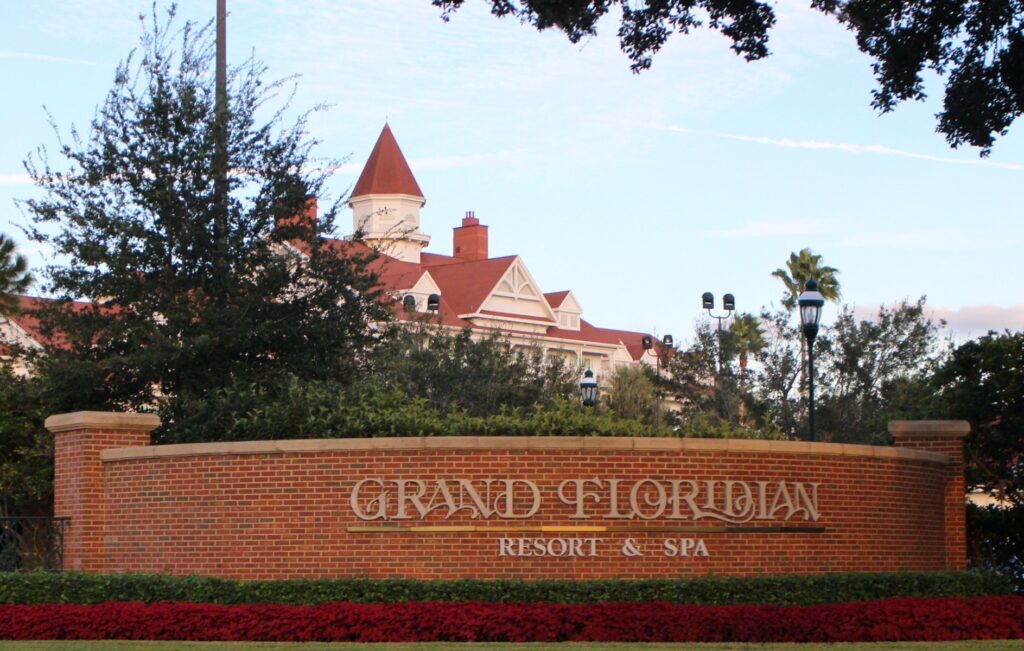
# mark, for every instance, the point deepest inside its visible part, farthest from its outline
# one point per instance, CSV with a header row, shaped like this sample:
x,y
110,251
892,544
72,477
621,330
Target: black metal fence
x,y
32,543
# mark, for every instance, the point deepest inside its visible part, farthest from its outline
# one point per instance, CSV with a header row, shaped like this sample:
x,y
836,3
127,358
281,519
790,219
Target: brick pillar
x,y
79,438
947,437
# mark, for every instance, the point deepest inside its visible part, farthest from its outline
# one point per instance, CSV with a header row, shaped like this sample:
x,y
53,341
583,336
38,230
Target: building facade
x,y
474,290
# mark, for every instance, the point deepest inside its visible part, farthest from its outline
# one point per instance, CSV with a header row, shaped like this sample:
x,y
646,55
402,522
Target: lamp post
x,y
588,389
810,302
729,305
647,343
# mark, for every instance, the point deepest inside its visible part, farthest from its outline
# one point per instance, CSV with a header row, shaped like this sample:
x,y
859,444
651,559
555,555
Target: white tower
x,y
386,202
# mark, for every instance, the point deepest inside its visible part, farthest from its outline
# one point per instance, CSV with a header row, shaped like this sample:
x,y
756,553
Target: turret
x,y
386,202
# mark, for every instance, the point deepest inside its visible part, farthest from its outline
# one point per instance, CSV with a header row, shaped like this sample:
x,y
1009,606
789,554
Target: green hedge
x,y
306,409
77,588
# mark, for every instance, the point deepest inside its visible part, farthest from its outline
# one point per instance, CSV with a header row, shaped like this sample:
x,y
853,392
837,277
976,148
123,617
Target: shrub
x,y
305,409
889,620
78,588
996,543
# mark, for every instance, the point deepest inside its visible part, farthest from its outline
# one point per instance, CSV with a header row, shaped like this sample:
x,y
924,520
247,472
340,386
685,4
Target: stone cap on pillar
x,y
102,420
929,429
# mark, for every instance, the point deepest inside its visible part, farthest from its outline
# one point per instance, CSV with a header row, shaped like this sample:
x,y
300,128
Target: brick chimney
x,y
470,239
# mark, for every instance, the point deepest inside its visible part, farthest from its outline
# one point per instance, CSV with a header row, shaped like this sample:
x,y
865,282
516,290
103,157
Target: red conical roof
x,y
386,171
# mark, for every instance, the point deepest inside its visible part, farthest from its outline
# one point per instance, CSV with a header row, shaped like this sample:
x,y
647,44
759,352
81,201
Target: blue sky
x,y
638,192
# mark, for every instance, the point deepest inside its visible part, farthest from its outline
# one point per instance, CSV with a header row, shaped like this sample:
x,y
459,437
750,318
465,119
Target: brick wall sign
x,y
506,507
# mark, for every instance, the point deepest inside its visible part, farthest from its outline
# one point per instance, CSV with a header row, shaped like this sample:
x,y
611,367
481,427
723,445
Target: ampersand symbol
x,y
630,548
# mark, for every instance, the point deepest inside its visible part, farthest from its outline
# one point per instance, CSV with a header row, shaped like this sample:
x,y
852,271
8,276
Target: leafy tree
x,y
779,368
876,370
631,394
983,383
188,294
977,48
14,276
481,376
703,381
800,268
26,448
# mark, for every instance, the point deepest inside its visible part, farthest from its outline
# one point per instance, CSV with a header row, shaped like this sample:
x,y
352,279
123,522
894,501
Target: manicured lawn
x,y
996,645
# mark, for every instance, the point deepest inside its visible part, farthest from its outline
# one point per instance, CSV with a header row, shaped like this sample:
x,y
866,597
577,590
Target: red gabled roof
x,y
386,171
26,319
556,298
465,285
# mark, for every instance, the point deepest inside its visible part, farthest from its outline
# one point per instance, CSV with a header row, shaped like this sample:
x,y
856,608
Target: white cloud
x,y
967,321
15,179
777,228
849,148
32,56
976,320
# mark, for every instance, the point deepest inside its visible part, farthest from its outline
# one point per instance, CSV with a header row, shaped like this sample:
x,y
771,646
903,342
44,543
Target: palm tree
x,y
747,336
802,267
14,276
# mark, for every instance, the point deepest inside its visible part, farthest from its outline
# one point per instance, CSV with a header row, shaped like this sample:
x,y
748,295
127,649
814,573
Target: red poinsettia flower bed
x,y
886,620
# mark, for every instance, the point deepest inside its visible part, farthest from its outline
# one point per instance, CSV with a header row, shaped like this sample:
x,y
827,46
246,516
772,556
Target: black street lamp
x,y
810,302
588,389
728,304
647,343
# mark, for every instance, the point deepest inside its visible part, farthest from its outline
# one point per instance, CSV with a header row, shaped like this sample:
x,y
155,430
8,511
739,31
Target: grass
x,y
989,645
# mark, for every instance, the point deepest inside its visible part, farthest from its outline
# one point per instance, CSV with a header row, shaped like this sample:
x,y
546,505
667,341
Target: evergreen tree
x,y
14,276
188,294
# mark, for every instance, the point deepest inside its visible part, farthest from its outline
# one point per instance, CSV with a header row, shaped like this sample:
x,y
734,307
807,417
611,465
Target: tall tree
x,y
702,378
800,268
14,276
178,307
976,48
876,370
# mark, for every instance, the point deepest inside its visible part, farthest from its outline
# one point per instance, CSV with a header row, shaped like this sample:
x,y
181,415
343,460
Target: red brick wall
x,y
286,514
946,437
78,478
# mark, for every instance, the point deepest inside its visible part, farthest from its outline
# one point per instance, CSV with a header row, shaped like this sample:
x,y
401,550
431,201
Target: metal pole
x,y
657,391
221,146
810,385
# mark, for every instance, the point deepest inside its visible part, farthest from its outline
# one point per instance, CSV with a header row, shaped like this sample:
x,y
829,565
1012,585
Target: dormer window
x,y
569,321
